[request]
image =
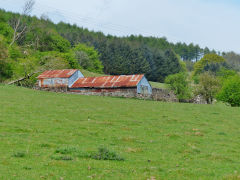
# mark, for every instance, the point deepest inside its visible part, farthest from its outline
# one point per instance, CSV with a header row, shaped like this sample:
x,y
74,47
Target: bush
x,y
208,86
105,154
179,84
6,70
230,92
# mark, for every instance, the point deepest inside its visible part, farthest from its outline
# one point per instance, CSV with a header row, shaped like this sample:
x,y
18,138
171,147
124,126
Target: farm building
x,y
59,78
123,85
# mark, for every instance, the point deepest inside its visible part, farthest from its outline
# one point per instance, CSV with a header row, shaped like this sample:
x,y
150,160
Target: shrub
x,y
6,70
230,92
105,154
179,84
208,86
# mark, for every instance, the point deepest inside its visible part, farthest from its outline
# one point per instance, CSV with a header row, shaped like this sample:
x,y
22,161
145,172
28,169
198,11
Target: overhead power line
x,y
81,20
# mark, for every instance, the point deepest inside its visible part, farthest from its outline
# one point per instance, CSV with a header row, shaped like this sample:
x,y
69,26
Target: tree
x,y
208,87
18,27
230,92
210,62
88,58
233,60
180,85
5,66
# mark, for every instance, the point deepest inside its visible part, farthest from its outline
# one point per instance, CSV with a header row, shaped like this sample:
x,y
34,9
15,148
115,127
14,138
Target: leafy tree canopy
x,y
210,62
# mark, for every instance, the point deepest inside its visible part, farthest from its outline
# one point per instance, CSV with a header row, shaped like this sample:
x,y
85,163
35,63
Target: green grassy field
x,y
159,85
46,135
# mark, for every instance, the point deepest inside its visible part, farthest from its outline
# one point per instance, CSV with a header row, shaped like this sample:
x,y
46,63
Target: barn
x,y
122,85
59,78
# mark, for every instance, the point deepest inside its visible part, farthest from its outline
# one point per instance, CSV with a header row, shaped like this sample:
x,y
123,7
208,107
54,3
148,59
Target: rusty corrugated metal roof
x,y
108,81
65,73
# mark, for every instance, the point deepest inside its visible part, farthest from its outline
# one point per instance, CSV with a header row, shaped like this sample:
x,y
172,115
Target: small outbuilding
x,y
122,85
59,78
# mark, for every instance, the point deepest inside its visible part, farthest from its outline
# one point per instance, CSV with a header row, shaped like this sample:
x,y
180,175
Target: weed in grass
x,y
133,150
105,154
222,133
61,157
27,168
19,154
66,150
45,145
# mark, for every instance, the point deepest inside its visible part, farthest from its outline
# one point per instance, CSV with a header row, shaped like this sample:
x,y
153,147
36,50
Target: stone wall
x,y
163,95
157,94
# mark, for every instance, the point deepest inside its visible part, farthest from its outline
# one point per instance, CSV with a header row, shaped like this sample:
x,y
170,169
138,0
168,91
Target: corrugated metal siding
x,y
54,82
59,78
74,78
108,81
144,87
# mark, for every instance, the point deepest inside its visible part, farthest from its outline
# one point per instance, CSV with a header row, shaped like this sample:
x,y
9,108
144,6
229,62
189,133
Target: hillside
x,y
46,135
44,45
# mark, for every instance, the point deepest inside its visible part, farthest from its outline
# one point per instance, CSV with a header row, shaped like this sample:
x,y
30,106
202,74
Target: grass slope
x,y
45,135
159,85
87,73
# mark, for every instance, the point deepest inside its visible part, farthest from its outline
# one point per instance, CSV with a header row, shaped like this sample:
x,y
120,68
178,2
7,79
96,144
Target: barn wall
x,y
120,92
144,82
74,77
56,82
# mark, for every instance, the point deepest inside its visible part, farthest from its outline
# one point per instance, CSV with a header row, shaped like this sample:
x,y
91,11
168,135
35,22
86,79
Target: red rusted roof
x,y
65,73
108,81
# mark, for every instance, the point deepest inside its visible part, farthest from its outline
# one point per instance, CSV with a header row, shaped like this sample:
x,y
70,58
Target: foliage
x,y
210,62
233,60
81,48
180,85
15,52
230,92
6,70
189,65
208,86
88,58
224,74
6,31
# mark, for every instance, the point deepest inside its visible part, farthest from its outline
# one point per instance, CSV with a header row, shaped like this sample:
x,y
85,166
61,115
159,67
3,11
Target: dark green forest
x,y
37,44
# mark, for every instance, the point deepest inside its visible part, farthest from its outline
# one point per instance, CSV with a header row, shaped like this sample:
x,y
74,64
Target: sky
x,y
211,23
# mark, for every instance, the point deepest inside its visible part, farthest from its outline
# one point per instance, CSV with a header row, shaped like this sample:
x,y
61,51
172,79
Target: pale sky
x,y
212,23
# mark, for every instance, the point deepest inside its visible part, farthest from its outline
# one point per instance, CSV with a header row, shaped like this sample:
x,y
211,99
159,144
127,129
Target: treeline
x,y
45,45
156,57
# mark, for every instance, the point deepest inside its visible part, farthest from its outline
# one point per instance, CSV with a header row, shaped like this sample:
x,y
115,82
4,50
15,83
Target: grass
x,y
47,135
90,74
159,85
